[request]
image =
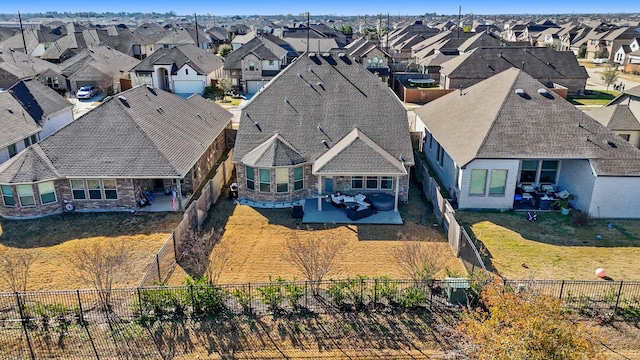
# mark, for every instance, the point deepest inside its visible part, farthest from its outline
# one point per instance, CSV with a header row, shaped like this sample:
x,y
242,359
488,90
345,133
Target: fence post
x,y
561,289
306,305
175,249
250,297
140,302
375,291
361,292
615,309
84,324
158,268
80,306
24,326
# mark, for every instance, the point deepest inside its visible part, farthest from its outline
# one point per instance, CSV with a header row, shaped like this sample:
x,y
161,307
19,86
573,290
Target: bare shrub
x,y
203,255
15,265
420,260
313,257
99,265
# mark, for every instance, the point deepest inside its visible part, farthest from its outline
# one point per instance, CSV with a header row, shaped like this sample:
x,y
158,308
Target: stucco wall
x,y
57,121
489,201
615,197
576,177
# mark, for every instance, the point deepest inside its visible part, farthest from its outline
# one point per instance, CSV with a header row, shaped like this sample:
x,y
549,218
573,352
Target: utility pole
x,y
379,27
459,13
24,42
388,28
308,29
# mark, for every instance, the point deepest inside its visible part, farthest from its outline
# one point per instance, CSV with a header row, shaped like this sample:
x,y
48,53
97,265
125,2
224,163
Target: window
x,y
27,142
34,139
271,62
440,155
498,182
282,180
298,178
528,171
47,192
386,182
25,193
110,189
548,171
95,189
458,177
251,177
252,65
12,150
265,180
430,142
478,181
625,136
52,82
372,182
7,195
77,189
356,182
186,71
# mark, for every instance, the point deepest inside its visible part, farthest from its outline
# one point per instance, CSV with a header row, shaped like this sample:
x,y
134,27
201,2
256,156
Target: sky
x,y
326,7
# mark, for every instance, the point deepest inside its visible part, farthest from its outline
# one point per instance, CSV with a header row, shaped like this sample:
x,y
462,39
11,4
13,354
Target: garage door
x,y
188,87
254,86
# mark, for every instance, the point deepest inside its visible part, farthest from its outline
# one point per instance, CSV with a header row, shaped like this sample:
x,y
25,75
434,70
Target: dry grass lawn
x,y
257,239
554,248
56,237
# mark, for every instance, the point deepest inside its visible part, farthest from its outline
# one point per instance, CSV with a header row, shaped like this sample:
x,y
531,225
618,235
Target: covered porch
x,y
329,214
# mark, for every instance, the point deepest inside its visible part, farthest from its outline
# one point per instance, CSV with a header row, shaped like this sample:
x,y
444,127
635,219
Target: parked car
x,y
87,92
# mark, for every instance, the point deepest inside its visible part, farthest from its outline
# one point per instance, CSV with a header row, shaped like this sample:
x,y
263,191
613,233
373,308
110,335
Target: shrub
x,y
413,297
244,298
204,297
272,294
580,218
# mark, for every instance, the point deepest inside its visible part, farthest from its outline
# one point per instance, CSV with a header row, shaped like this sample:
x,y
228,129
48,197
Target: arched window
x,y
252,65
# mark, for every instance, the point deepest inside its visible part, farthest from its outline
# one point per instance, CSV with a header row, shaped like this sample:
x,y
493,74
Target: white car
x,y
87,92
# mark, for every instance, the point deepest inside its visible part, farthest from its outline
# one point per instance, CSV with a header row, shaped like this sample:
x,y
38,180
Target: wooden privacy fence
x,y
164,262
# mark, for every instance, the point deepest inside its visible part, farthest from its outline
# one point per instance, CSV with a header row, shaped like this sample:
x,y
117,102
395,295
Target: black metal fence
x,y
92,324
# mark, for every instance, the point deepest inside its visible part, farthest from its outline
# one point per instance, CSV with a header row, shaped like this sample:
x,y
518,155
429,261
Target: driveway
x,y
82,106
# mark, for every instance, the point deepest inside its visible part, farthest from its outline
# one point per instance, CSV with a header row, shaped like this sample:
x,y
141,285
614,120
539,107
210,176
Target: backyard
x,y
55,238
554,247
593,97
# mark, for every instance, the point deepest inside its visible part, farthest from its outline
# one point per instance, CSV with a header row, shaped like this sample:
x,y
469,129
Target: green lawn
x,y
594,97
553,247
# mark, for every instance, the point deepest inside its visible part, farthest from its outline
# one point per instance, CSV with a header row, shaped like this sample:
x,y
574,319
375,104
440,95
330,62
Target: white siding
x,y
56,121
505,201
577,177
266,66
616,197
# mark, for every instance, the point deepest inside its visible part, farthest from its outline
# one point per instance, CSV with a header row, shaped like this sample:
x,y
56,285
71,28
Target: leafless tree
x,y
314,257
418,259
204,255
105,85
99,265
224,84
609,76
15,265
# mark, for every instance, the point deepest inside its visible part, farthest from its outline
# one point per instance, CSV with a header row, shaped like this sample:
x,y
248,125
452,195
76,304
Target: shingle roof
x,y
255,46
491,121
276,151
106,60
16,124
635,91
616,117
325,98
23,66
38,100
198,59
125,41
29,166
141,133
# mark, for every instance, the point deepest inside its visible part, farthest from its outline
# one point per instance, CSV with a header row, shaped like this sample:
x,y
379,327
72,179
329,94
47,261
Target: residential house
x,y
251,66
544,64
132,43
36,38
218,37
620,56
369,54
603,45
71,44
325,124
314,32
143,139
185,69
185,35
315,45
16,66
622,115
509,135
101,66
19,129
50,110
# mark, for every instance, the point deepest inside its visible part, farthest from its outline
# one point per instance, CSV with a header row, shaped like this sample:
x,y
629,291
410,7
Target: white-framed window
x,y
7,196
25,194
478,182
250,174
298,178
282,180
78,189
270,62
110,189
52,82
357,182
372,182
440,155
95,189
386,182
264,178
498,182
13,150
536,171
252,65
47,192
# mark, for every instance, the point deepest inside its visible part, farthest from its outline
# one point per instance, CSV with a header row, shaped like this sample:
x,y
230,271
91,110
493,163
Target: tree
x,y
582,52
224,84
466,28
99,265
524,325
105,85
313,257
203,256
420,260
609,76
15,265
224,50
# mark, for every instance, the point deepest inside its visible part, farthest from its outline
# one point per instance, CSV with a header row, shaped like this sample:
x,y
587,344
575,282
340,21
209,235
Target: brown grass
x,y
257,239
57,236
554,248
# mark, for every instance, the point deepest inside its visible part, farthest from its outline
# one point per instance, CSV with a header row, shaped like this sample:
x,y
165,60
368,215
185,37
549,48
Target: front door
x,y
328,185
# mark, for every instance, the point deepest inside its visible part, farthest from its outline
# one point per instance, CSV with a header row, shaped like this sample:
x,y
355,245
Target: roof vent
x,y
311,70
286,100
545,93
122,98
324,142
326,54
300,75
312,54
341,55
255,123
612,144
522,94
10,110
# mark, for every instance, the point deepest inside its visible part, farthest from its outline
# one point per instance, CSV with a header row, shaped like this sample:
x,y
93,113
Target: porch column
x,y
179,193
320,178
395,202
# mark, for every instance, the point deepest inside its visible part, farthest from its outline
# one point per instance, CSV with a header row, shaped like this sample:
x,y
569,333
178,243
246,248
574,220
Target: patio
x,y
332,215
162,202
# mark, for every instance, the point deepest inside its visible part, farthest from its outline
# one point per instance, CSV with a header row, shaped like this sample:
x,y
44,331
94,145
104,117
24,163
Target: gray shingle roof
x,y
38,100
325,98
141,133
106,60
200,60
255,46
490,121
16,124
616,117
125,41
276,151
29,166
23,66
